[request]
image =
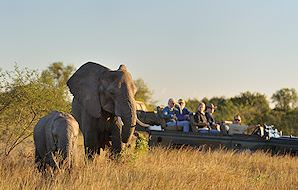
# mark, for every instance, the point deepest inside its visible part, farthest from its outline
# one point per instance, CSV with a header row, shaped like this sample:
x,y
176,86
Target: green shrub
x,y
26,96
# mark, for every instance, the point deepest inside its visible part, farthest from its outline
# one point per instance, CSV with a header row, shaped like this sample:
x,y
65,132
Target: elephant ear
x,y
84,85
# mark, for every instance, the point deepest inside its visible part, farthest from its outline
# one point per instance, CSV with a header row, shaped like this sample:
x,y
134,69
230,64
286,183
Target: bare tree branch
x,y
20,137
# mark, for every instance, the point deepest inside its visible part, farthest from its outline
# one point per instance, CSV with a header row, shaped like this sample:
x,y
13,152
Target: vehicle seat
x,y
193,127
162,120
174,128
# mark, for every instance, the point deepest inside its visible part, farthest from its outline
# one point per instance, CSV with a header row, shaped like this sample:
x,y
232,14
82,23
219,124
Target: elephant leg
x,y
90,132
116,136
50,160
90,142
40,151
39,161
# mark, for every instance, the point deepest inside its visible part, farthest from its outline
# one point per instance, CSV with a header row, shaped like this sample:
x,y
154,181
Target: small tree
x,y
285,99
192,104
57,74
26,96
254,107
144,94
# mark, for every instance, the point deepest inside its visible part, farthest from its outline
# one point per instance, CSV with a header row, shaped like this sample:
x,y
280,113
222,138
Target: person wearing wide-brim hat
x,y
210,108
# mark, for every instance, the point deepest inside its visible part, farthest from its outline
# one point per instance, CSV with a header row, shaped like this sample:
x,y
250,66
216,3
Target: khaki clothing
x,y
241,129
237,129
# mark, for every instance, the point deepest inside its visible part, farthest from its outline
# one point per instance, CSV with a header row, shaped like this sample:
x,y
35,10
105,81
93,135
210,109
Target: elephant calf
x,y
55,139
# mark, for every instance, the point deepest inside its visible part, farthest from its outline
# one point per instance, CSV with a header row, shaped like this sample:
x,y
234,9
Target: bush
x,y
26,96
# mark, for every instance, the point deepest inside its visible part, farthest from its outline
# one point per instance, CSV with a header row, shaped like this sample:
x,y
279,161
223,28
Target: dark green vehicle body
x,y
238,142
282,144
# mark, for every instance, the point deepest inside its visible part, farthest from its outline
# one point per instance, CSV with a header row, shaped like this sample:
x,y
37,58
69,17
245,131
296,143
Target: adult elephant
x,y
104,106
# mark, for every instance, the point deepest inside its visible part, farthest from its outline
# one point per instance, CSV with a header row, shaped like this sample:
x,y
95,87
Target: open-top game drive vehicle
x,y
265,138
275,144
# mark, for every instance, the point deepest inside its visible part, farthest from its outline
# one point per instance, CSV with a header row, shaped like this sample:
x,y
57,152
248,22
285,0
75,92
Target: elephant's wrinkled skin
x,y
104,106
55,133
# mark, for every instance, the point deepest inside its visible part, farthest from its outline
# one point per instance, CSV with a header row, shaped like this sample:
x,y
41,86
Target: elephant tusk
x,y
142,124
120,121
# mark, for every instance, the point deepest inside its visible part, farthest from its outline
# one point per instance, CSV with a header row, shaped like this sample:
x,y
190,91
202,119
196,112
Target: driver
x,y
238,128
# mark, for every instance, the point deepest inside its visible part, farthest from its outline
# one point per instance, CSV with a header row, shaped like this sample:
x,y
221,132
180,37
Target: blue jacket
x,y
168,113
182,115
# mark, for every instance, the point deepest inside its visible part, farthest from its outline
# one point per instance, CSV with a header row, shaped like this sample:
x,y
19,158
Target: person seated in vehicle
x,y
238,128
210,108
199,120
184,113
169,113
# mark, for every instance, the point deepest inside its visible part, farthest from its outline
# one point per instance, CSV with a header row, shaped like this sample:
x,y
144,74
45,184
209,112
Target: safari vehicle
x,y
265,138
253,142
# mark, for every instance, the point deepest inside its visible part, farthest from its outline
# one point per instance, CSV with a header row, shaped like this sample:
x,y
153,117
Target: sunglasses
x,y
237,119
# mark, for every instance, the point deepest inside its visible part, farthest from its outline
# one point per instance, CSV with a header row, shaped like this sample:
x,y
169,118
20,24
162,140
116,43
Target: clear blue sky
x,y
188,48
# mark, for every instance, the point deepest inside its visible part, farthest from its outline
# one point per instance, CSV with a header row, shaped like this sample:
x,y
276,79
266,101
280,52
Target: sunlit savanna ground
x,y
156,169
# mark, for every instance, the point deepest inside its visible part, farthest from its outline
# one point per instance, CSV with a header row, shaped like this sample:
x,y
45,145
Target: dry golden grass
x,y
157,169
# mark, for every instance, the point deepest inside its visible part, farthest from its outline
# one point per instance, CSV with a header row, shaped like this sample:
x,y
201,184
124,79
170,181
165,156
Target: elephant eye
x,y
111,92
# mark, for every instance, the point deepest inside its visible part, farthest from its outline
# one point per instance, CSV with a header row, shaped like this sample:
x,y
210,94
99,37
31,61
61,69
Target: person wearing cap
x,y
170,112
210,108
184,113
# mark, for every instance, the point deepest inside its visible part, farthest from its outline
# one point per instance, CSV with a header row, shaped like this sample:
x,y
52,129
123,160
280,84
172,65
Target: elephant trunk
x,y
129,121
128,129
